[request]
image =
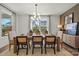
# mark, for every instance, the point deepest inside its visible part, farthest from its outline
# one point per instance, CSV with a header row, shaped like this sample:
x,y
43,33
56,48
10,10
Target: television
x,y
72,28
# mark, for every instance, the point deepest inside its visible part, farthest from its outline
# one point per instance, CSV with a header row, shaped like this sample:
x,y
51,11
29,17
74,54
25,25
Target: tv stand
x,y
71,40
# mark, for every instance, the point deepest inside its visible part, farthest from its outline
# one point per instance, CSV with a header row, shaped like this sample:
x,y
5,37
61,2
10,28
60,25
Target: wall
x,y
54,22
3,40
74,10
22,24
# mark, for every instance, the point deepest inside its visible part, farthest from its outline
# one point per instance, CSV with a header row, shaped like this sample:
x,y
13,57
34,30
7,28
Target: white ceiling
x,y
43,8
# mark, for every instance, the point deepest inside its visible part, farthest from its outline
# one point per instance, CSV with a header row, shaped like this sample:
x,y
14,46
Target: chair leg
x,y
22,46
9,47
27,50
17,50
61,45
51,46
29,45
54,50
41,49
45,49
33,49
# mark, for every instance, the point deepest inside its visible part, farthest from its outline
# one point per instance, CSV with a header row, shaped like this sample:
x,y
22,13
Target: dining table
x,y
30,37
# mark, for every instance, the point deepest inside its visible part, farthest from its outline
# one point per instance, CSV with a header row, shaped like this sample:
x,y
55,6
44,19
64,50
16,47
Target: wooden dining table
x,y
15,46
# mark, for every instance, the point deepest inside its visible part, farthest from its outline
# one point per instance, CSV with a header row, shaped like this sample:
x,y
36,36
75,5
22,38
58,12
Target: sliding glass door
x,y
6,24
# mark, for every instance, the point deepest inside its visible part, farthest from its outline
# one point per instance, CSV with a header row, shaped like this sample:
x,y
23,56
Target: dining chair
x,y
50,40
10,38
30,37
37,40
60,36
21,40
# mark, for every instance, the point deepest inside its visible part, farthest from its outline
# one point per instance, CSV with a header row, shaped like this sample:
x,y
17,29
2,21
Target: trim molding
x,y
7,8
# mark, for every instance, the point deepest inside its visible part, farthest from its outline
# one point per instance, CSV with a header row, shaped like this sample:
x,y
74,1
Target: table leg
x,y
15,47
58,44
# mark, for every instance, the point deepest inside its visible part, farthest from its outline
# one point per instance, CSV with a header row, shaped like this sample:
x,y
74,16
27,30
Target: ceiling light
x,y
36,15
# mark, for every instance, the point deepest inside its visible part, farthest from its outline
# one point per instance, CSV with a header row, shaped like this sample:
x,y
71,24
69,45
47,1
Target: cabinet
x,y
71,40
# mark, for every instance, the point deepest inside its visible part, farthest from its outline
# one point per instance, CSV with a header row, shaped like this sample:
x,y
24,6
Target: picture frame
x,y
69,18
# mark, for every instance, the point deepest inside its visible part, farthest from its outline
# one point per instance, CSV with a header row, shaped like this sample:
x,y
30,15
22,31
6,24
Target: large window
x,y
41,24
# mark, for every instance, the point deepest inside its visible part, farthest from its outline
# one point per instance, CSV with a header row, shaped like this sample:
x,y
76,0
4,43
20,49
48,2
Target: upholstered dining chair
x,y
10,38
50,40
60,36
21,40
37,40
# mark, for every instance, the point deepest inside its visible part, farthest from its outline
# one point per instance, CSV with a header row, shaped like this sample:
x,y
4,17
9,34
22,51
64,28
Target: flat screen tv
x,y
72,28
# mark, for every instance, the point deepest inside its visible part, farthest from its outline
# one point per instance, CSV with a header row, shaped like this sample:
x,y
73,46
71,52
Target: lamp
x,y
36,15
60,27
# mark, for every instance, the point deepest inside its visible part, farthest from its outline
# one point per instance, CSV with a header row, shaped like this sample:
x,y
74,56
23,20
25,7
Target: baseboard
x,y
70,46
4,48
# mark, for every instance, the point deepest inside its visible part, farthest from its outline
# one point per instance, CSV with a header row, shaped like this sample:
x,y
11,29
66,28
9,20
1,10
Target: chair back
x,y
10,35
60,34
50,39
21,39
10,38
37,38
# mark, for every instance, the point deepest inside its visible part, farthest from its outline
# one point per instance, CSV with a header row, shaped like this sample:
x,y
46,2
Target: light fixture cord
x,y
36,10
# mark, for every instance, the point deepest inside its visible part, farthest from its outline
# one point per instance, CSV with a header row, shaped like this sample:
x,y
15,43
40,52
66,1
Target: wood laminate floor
x,y
37,52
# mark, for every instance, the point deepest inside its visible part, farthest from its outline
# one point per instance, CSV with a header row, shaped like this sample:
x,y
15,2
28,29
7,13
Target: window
x,y
6,25
41,24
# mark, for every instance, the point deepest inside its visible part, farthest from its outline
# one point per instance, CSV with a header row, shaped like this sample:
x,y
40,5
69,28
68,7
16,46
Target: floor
x,y
72,50
37,52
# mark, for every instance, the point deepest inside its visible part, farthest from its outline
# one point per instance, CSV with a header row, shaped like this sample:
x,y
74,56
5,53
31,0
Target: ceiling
x,y
43,8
